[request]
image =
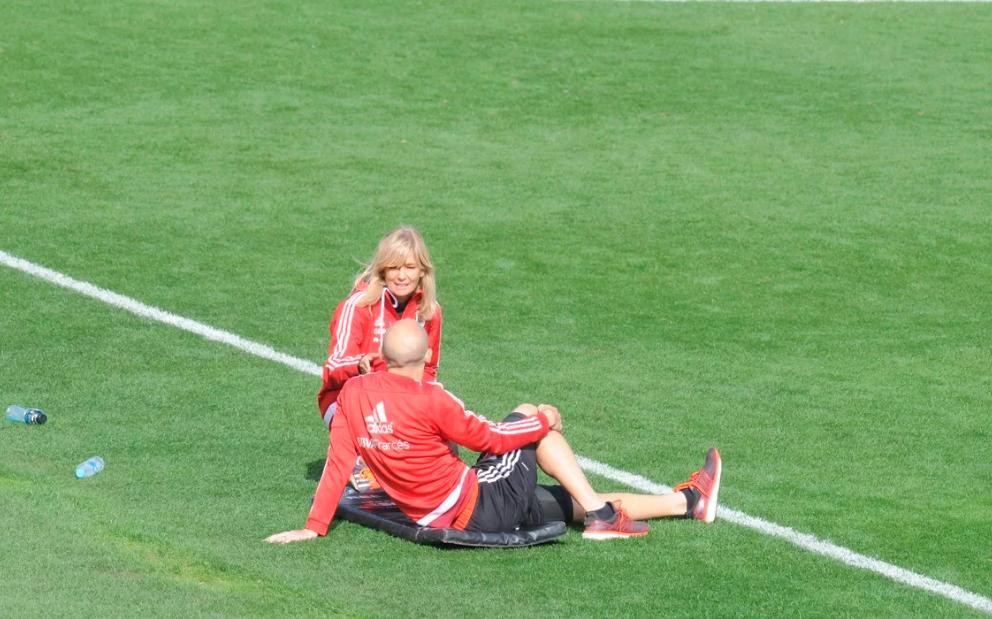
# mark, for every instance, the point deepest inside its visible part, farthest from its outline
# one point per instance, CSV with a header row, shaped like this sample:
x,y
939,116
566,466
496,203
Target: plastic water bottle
x,y
90,467
19,414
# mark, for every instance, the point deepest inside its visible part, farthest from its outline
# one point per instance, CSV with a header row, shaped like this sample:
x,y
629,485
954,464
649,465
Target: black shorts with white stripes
x,y
509,497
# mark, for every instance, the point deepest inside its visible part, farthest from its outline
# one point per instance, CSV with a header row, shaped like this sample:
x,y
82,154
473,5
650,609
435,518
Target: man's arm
x,y
341,455
464,427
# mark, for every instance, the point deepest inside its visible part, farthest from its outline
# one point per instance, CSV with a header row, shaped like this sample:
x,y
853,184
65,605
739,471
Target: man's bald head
x,y
405,344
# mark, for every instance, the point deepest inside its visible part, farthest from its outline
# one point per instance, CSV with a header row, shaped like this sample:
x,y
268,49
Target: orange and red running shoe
x,y
706,483
620,526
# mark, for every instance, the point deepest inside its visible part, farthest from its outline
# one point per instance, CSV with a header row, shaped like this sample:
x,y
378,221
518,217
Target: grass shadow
x,y
315,469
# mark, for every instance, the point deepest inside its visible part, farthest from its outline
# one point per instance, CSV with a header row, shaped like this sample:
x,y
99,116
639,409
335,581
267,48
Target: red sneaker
x,y
620,526
705,481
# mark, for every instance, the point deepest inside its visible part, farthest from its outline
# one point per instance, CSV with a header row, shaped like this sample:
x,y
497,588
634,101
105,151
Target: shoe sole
x,y
709,514
599,537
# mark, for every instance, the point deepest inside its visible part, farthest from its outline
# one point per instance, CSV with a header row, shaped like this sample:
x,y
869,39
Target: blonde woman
x,y
397,283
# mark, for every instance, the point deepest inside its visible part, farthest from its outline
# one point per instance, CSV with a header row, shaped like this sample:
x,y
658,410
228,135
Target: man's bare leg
x,y
556,458
641,506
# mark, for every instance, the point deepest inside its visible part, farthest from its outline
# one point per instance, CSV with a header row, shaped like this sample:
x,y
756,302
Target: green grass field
x,y
761,226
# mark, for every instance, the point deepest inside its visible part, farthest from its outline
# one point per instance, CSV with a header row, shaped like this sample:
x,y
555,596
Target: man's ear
x,y
429,355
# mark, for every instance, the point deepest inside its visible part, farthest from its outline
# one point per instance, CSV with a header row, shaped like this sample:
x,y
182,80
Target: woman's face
x,y
403,280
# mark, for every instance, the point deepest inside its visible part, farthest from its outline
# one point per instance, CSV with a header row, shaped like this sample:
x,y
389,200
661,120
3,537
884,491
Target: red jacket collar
x,y
415,299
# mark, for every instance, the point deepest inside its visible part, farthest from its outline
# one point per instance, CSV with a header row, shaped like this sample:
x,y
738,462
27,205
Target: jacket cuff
x,y
320,528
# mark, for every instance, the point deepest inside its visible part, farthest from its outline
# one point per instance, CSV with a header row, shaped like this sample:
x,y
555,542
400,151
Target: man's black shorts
x,y
509,497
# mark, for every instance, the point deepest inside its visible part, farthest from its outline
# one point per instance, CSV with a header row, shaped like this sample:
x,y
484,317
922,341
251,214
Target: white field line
x,y
147,311
805,541
802,540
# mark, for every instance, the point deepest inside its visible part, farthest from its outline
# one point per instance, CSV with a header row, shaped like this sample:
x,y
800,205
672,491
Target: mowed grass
x,y
764,227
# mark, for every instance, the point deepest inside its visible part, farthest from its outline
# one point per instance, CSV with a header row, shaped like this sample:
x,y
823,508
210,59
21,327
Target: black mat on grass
x,y
376,510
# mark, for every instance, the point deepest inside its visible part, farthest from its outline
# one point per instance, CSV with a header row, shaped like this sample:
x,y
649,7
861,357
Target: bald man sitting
x,y
404,428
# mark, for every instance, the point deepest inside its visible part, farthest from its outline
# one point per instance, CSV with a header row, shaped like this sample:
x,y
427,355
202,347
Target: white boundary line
x,y
802,540
805,541
154,313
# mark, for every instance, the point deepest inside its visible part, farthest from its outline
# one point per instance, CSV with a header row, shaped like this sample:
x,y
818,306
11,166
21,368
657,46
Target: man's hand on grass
x,y
288,537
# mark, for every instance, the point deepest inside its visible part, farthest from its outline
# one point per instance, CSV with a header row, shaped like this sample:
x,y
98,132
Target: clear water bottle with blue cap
x,y
19,414
90,467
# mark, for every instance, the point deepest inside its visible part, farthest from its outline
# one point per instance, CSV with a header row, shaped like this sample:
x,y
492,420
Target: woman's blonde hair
x,y
392,252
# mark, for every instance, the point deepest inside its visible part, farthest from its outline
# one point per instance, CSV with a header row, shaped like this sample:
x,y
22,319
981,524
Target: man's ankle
x,y
606,512
691,498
